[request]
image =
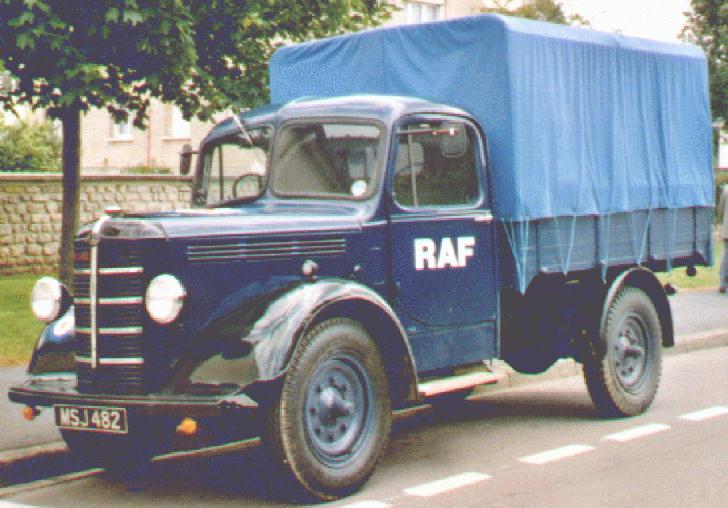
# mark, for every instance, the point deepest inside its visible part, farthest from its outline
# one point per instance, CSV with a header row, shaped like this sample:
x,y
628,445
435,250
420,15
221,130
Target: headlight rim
x,y
58,297
175,299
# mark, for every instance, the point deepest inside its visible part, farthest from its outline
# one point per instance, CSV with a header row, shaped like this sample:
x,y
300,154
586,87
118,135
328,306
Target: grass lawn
x,y
18,327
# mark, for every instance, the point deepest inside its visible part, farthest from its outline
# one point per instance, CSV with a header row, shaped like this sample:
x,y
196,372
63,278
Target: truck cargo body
x,y
598,144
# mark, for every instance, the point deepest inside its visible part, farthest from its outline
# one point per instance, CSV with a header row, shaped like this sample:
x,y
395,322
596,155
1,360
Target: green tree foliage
x,y
707,26
542,10
203,55
29,146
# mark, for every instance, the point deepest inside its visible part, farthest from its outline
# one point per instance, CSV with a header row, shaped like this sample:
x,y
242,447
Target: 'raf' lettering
x,y
429,257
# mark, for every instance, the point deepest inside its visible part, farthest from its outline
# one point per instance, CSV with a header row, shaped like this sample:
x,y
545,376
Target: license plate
x,y
94,419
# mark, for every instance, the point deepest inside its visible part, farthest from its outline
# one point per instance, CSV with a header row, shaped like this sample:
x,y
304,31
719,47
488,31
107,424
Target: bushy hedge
x,y
29,146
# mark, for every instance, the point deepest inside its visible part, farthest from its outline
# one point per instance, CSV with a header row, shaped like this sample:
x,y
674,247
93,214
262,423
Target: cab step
x,y
457,383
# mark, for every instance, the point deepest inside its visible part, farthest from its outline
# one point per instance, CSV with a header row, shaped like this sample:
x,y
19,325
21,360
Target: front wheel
x,y
623,370
332,422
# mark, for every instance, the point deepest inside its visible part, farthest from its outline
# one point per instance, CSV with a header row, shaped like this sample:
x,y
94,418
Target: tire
x,y
622,370
332,422
121,454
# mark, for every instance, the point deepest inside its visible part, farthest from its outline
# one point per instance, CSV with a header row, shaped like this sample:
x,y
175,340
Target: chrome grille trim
x,y
266,250
126,330
128,270
123,300
93,287
111,361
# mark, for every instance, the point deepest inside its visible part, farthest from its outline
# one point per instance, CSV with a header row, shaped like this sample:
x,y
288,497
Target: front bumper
x,y
47,391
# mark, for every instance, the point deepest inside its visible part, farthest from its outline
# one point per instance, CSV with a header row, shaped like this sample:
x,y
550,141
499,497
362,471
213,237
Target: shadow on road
x,y
248,477
240,477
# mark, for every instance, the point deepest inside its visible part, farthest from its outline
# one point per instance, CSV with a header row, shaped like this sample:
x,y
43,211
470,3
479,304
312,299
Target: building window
x,y
421,12
176,126
122,129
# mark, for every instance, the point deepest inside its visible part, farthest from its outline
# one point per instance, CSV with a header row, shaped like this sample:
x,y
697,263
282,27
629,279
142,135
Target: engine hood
x,y
253,219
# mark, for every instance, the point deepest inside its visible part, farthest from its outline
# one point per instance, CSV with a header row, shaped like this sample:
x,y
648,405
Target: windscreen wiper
x,y
245,134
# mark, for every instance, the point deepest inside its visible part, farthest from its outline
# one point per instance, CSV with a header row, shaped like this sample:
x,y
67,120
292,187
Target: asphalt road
x,y
699,311
17,432
539,445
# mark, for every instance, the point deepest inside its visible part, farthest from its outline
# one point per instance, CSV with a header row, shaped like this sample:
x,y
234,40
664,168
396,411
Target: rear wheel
x,y
332,422
623,370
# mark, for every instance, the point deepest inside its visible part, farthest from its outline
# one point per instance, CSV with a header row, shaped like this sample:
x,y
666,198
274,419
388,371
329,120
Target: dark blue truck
x,y
422,199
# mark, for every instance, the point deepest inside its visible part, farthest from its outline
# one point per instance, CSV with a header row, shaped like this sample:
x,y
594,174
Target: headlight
x,y
164,298
46,299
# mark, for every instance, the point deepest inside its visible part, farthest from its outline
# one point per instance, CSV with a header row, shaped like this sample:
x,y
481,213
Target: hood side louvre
x,y
265,251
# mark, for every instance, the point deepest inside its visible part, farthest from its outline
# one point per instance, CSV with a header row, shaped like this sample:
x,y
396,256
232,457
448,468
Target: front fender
x,y
56,347
258,346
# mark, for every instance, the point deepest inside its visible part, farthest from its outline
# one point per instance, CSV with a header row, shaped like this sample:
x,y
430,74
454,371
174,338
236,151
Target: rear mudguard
x,y
645,280
248,348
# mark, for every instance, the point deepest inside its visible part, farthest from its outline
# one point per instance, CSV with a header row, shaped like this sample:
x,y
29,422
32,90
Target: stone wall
x,y
30,211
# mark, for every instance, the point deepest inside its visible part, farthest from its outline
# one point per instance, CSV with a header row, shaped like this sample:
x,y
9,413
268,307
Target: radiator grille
x,y
110,379
119,358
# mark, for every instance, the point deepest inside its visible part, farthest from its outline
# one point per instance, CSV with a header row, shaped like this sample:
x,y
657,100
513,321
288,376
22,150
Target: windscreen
x,y
326,159
234,168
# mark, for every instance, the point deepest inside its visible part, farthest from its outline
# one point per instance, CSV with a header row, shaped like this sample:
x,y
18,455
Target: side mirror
x,y
453,139
185,159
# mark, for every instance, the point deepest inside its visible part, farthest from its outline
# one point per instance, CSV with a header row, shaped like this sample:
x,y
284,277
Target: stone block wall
x,y
30,211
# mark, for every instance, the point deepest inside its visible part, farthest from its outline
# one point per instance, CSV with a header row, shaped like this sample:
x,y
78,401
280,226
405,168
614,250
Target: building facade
x,y
419,11
110,146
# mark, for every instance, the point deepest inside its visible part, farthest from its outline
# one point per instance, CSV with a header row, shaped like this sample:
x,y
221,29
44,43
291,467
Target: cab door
x,y
443,265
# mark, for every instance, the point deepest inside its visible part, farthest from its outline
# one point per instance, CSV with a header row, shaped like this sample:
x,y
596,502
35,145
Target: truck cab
x,y
404,178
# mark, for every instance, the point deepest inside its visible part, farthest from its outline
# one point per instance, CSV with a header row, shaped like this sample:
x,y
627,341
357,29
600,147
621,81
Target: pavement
x,y
700,319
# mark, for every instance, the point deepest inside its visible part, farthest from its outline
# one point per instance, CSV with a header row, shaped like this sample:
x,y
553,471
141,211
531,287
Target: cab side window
x,y
436,165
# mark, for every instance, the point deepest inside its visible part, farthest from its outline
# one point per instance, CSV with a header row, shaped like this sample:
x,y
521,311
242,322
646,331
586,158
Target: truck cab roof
x,y
383,108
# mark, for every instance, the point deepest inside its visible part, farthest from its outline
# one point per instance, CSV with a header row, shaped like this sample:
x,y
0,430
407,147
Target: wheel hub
x,y
336,409
333,406
629,355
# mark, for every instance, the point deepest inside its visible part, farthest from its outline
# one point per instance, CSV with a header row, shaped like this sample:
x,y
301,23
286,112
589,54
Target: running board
x,y
457,383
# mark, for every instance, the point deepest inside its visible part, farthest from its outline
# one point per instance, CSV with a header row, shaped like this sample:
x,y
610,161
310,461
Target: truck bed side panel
x,y
660,239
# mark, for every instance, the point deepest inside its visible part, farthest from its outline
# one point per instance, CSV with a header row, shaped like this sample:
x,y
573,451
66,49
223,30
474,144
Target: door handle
x,y
487,217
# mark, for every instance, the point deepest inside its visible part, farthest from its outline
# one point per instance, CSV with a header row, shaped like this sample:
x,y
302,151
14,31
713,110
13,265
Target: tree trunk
x,y
71,119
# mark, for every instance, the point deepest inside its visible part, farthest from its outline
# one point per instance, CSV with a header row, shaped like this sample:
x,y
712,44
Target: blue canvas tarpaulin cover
x,y
578,122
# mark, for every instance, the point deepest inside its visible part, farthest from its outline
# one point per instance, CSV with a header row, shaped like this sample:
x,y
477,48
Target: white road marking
x,y
636,432
367,504
8,504
445,484
704,414
556,454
